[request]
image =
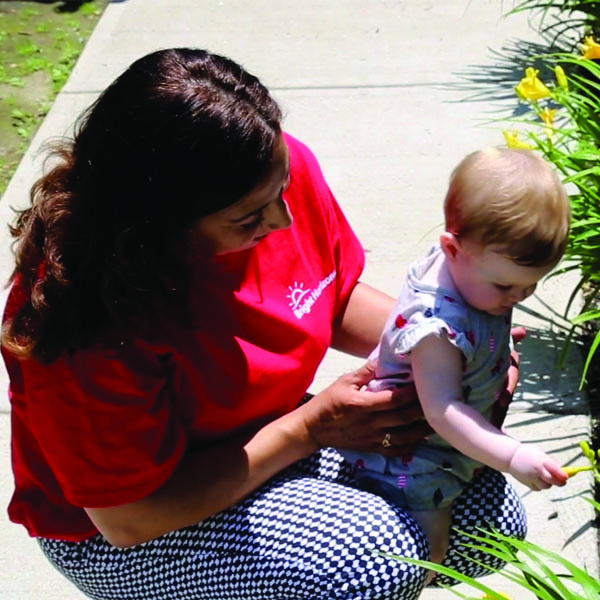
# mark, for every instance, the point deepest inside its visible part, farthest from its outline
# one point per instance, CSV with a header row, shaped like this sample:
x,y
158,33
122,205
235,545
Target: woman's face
x,y
246,223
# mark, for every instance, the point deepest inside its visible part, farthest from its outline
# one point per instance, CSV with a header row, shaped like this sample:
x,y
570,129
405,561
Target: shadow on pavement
x,y
544,384
496,82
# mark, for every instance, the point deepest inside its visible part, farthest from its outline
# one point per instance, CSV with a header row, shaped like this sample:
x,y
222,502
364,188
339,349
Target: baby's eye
x,y
501,287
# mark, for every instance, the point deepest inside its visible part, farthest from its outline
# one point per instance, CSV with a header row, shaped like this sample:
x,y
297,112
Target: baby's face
x,y
490,281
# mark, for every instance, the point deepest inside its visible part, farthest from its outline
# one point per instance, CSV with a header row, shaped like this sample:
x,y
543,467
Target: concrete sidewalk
x,y
389,95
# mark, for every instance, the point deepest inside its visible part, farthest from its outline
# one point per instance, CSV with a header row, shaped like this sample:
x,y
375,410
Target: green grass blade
x,y
579,575
529,577
588,360
449,572
585,317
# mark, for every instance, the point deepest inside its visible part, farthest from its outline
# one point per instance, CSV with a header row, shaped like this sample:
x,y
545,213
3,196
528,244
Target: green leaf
x,y
579,575
587,316
449,572
588,360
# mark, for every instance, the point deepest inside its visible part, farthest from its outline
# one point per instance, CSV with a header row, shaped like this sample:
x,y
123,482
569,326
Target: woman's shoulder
x,y
307,181
302,158
295,145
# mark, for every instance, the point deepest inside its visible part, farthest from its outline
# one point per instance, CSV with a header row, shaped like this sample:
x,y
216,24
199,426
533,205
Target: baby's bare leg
x,y
436,525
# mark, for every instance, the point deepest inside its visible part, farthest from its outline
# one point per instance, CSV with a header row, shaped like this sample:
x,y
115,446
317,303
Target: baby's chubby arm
x,y
437,369
535,468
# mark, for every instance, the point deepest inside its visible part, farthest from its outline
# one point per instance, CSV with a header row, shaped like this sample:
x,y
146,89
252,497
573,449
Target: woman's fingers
x,y
403,441
361,376
396,417
518,334
512,380
385,400
345,415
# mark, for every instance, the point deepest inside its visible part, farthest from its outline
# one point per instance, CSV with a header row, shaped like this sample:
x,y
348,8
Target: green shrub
x,y
564,125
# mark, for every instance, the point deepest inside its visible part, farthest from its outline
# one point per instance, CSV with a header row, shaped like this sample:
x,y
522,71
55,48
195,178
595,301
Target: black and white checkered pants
x,y
306,534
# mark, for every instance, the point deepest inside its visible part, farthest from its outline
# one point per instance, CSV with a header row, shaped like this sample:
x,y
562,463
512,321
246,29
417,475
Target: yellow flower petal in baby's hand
x,y
531,87
513,141
572,471
590,48
488,597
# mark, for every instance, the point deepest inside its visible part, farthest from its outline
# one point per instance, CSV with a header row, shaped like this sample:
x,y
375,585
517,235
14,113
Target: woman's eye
x,y
252,224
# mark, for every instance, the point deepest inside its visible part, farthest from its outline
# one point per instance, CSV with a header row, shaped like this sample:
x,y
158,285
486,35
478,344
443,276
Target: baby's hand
x,y
536,469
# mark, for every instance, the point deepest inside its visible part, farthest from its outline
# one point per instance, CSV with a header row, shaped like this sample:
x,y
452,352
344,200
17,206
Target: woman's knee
x,y
306,538
344,540
488,503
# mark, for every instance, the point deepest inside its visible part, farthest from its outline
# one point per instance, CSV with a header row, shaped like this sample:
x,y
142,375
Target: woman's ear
x,y
450,245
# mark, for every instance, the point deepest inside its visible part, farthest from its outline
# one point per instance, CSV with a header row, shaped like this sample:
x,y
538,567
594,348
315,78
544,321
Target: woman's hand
x,y
500,407
346,416
518,335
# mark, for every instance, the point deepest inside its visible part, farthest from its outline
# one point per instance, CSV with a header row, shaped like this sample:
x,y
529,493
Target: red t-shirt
x,y
108,426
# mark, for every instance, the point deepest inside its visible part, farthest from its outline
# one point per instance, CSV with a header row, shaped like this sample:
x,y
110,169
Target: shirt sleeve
x,y
338,236
420,318
349,253
105,422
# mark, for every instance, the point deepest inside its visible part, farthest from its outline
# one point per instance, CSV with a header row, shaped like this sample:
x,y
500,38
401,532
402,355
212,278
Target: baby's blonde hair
x,y
513,199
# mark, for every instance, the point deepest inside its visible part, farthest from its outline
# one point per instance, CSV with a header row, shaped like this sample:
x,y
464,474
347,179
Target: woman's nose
x,y
278,217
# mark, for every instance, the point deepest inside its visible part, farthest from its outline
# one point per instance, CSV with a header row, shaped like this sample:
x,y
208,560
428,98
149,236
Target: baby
x,y
507,224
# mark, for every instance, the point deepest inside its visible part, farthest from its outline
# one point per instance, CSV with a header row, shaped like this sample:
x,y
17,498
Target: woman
x,y
179,277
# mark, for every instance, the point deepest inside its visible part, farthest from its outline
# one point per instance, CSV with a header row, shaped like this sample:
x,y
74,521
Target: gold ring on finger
x,y
386,441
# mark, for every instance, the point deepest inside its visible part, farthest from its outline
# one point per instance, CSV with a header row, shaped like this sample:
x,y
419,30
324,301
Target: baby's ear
x,y
450,245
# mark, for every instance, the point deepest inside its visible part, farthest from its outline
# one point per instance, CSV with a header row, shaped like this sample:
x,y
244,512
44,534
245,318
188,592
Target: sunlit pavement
x,y
390,96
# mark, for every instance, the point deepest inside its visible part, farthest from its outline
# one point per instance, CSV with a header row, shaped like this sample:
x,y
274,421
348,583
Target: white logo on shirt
x,y
301,300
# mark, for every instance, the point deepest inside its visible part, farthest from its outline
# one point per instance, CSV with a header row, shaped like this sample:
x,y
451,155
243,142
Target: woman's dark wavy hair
x,y
181,134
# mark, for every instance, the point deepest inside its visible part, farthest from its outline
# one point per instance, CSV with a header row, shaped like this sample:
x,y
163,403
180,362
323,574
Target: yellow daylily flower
x,y
547,115
561,77
587,451
488,597
590,48
513,141
531,87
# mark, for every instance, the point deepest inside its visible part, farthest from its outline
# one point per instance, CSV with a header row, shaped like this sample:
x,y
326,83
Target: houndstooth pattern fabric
x,y
488,502
308,534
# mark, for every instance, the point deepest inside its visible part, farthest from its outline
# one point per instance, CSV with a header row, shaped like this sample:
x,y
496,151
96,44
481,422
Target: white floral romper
x,y
437,473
